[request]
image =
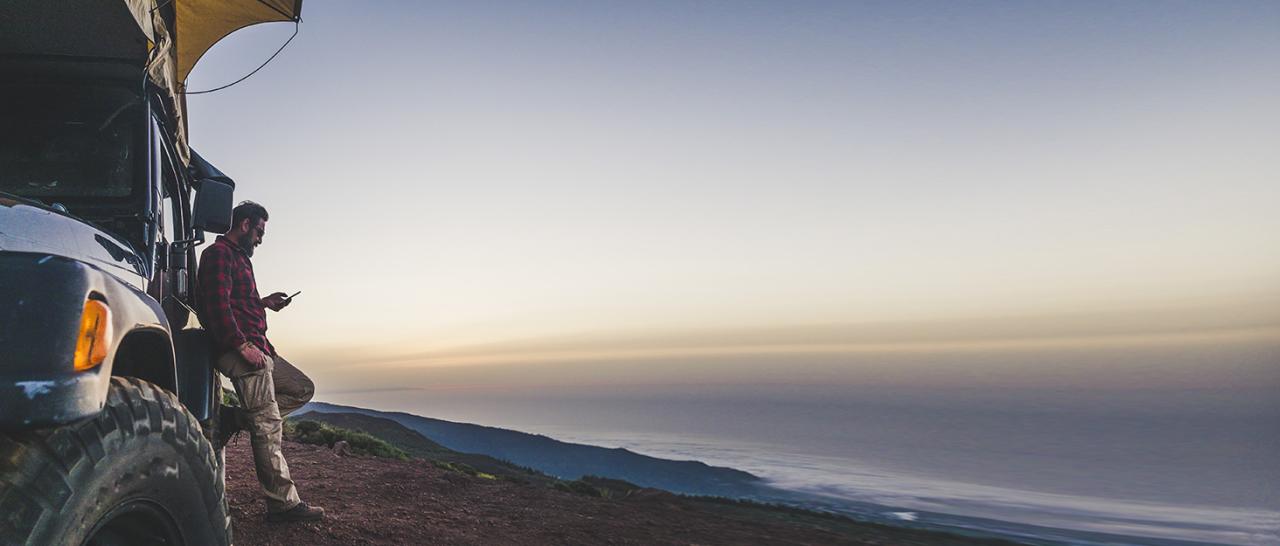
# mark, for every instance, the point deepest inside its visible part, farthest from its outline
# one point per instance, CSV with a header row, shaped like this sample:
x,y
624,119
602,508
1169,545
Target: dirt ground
x,y
384,501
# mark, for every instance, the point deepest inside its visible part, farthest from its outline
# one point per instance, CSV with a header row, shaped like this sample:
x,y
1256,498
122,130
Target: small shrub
x,y
445,465
612,486
461,468
581,488
361,443
307,427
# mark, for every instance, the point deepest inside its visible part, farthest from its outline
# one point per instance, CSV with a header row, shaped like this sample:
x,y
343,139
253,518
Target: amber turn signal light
x,y
95,335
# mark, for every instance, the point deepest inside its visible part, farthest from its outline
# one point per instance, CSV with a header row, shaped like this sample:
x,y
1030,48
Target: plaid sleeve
x,y
215,277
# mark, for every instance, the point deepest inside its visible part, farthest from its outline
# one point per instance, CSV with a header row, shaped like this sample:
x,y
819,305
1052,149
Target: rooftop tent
x,y
181,31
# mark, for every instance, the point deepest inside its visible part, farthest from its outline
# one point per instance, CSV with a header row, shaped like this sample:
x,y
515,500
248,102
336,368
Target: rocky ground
x,y
386,501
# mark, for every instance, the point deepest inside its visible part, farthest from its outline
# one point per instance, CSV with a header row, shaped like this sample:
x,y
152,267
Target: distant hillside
x,y
372,500
594,472
420,446
563,459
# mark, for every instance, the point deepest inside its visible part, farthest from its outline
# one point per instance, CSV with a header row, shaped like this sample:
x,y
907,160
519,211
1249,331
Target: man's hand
x,y
276,301
254,356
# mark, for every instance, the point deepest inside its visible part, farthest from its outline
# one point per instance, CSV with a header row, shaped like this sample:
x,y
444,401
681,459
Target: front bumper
x,y
35,402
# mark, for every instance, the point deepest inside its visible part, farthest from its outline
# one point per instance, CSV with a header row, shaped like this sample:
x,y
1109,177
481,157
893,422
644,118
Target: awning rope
x,y
296,25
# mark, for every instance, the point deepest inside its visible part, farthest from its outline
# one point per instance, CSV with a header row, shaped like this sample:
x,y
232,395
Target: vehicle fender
x,y
42,298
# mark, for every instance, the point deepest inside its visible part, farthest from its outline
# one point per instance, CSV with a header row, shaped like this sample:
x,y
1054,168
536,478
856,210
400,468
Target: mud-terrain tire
x,y
139,473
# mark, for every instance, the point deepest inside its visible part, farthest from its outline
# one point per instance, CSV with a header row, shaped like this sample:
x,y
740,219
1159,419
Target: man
x,y
269,387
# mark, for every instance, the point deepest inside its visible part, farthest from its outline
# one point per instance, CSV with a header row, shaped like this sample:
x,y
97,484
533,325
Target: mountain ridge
x,y
567,460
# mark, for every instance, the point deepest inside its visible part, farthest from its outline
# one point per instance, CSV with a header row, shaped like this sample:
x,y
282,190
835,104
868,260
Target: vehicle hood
x,y
27,227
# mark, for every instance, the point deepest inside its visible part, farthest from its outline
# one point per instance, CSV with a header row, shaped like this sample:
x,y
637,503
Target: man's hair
x,y
248,210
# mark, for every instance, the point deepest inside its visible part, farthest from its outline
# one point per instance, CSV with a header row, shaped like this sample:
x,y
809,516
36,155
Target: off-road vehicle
x,y
107,395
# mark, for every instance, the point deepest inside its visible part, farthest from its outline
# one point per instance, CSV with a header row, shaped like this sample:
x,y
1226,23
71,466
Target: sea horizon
x,y
1193,462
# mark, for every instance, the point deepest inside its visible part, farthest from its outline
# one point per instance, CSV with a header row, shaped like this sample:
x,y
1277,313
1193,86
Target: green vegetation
x,y
421,447
361,443
582,488
596,486
461,468
525,469
771,506
229,398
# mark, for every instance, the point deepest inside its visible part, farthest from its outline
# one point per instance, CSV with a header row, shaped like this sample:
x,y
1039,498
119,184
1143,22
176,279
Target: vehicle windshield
x,y
70,142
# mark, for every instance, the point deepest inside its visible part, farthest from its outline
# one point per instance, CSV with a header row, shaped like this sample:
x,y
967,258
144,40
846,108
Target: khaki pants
x,y
267,395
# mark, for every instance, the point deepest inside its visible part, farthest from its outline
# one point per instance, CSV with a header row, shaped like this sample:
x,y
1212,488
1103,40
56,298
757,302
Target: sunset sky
x,y
466,192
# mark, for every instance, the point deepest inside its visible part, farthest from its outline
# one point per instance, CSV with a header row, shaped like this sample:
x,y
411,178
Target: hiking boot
x,y
229,426
301,512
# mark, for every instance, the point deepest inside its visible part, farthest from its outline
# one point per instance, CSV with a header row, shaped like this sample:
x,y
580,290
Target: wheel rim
x,y
136,522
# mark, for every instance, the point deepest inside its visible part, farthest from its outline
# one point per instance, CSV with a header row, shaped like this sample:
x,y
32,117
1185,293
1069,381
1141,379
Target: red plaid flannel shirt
x,y
228,302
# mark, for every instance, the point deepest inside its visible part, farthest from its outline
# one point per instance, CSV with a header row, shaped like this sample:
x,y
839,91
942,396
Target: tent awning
x,y
202,23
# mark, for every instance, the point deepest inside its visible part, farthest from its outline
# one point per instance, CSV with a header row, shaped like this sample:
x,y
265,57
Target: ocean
x,y
1195,460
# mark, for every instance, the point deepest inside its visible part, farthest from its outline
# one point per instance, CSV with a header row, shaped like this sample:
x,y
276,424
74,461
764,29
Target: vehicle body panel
x,y
26,227
42,298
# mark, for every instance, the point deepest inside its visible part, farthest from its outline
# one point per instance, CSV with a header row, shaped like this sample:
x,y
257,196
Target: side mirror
x,y
212,209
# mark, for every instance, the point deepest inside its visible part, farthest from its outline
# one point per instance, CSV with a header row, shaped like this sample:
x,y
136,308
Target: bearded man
x,y
269,386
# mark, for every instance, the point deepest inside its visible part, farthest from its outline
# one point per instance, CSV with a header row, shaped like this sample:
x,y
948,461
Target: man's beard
x,y
245,244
